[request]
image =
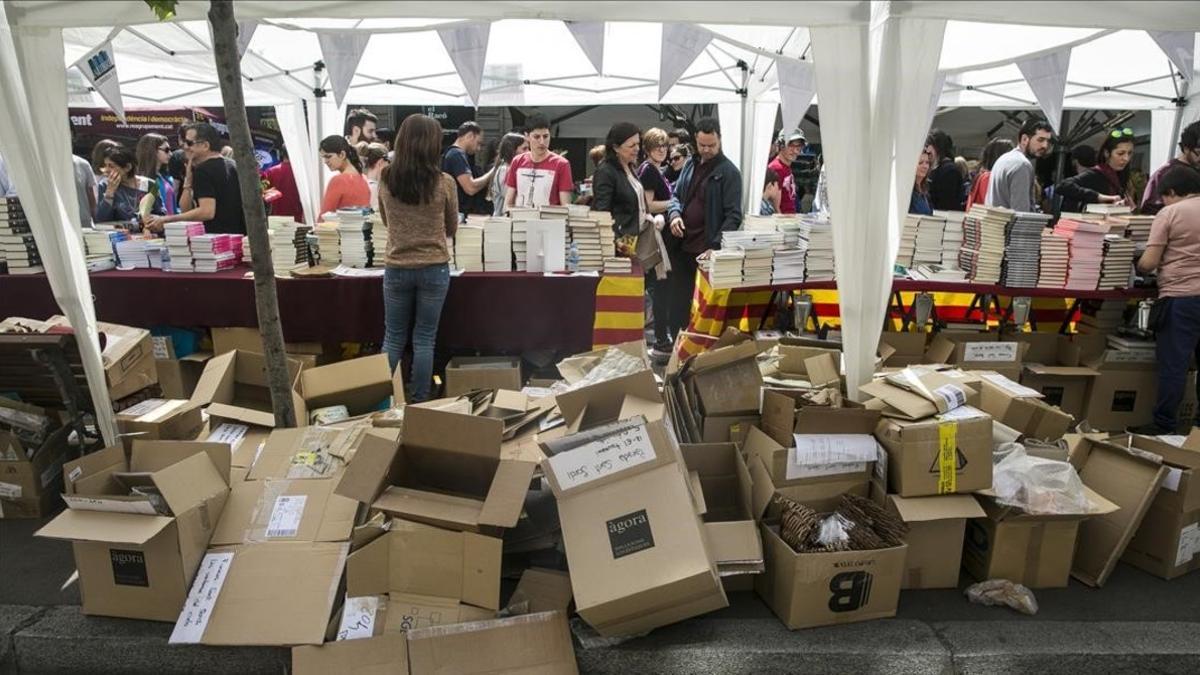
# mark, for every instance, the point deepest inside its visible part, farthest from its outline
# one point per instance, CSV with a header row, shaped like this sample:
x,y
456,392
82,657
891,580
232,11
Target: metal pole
x,y
1180,104
318,99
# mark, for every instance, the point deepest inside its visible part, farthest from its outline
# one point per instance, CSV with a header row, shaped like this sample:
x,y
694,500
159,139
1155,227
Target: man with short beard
x,y
1011,182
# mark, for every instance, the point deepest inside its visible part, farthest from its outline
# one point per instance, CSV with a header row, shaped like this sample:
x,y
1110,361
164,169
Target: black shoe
x,y
661,353
1150,430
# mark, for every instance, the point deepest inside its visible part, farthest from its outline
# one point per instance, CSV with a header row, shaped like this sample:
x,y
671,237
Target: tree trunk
x,y
229,74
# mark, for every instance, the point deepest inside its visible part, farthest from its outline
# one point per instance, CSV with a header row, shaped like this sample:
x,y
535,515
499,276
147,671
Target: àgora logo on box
x,y
630,533
129,567
849,591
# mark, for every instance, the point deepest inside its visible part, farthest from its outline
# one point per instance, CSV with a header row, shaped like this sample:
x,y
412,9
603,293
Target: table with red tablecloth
x,y
489,312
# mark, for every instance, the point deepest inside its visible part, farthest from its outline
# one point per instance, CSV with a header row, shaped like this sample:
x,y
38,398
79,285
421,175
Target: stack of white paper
x,y
725,268
788,265
497,244
132,253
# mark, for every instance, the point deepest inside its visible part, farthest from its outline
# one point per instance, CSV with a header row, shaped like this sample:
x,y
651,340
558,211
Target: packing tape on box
x,y
277,515
947,457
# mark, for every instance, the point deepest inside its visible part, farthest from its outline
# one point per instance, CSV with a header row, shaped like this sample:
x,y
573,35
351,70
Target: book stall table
x,y
491,312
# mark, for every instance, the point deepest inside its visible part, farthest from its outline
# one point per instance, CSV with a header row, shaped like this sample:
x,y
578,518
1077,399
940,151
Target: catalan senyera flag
x,y
620,310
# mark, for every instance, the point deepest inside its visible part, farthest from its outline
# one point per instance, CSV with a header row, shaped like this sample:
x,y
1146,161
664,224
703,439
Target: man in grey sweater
x,y
1011,182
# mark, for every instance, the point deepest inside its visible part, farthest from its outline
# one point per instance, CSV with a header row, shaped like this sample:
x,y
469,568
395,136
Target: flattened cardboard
x,y
360,384
913,450
825,589
601,403
542,590
935,537
532,643
307,452
468,373
247,517
385,654
901,403
417,559
729,523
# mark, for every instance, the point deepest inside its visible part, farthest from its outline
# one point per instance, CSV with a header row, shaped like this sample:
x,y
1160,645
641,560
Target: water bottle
x,y
573,258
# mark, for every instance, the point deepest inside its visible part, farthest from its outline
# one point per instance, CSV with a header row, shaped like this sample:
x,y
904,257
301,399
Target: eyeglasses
x,y
676,158
189,143
1118,133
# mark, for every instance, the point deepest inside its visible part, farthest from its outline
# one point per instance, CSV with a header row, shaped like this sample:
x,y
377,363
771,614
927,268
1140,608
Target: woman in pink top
x,y
348,188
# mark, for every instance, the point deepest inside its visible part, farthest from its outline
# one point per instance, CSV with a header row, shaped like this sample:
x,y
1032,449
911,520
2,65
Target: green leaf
x,y
163,9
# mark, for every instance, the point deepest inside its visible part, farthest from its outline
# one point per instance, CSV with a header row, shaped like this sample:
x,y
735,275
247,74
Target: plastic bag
x,y
1036,485
615,363
1002,592
834,532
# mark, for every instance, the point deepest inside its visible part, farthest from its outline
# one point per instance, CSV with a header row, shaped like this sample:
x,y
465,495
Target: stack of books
x,y
450,249
497,244
98,248
156,252
788,265
468,248
908,241
1052,268
818,264
379,240
724,268
952,237
179,237
1136,228
982,254
238,244
1023,243
604,224
212,252
1086,252
1117,268
1107,209
758,264
131,254
17,246
1102,317
520,244
616,265
329,244
936,273
588,242
289,246
354,238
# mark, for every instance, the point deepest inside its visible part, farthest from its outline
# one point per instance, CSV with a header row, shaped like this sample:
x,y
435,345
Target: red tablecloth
x,y
494,312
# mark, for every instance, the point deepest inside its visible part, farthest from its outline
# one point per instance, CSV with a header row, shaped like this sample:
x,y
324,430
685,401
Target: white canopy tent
x,y
876,75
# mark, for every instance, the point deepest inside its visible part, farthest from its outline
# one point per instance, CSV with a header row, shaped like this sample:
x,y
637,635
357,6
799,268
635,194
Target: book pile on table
x,y
178,236
1052,269
497,244
936,273
982,253
725,268
952,237
520,244
928,243
1023,243
17,246
98,248
618,265
379,240
604,225
1117,267
329,243
908,240
450,250
131,254
1100,316
468,248
818,264
354,238
212,252
758,247
1136,228
238,245
788,265
1107,209
1086,252
589,244
289,246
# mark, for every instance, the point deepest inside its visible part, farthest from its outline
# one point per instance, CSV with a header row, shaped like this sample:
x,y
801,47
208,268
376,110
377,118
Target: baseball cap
x,y
793,135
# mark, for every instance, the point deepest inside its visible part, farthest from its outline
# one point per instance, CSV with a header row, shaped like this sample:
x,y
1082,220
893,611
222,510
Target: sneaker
x,y
660,352
1149,430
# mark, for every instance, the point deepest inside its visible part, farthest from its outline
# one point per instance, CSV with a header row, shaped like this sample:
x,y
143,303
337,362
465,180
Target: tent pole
x,y
1180,105
745,155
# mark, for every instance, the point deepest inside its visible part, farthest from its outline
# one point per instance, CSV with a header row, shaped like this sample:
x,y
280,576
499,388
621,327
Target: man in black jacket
x,y
707,202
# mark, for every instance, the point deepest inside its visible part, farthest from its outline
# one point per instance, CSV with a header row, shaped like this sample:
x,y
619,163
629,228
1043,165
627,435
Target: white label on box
x,y
1171,480
1189,544
286,516
965,412
75,474
358,618
993,352
161,347
825,449
229,433
10,490
1018,390
603,457
952,394
817,470
149,405
202,597
140,507
161,412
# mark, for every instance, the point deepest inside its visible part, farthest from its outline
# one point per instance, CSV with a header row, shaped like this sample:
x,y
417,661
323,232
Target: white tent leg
x,y
874,84
1163,131
35,141
302,154
730,115
762,128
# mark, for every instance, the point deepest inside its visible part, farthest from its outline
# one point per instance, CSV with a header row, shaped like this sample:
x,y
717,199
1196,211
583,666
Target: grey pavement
x,y
1136,623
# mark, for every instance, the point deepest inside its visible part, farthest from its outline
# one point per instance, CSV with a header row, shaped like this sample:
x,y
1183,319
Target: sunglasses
x,y
1118,133
676,158
189,143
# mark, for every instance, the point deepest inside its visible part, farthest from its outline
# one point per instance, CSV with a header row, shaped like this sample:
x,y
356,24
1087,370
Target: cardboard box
x,y
383,655
1043,347
1062,386
1002,357
1123,394
726,428
361,384
531,643
178,377
468,373
824,589
907,348
1128,479
725,381
1168,542
268,594
1007,404
284,510
30,483
632,534
128,357
1034,550
234,387
729,522
915,395
228,339
416,559
134,562
937,455
935,537
161,419
796,356
449,473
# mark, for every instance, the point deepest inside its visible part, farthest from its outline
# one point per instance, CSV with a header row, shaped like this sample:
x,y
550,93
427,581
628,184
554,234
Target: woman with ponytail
x,y
348,188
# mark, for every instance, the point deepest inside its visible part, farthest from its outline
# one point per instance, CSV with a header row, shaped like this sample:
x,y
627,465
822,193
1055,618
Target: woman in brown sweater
x,y
419,206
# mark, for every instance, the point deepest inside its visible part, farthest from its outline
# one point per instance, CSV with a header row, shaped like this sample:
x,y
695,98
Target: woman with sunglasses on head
x,y
153,155
122,191
675,161
1107,182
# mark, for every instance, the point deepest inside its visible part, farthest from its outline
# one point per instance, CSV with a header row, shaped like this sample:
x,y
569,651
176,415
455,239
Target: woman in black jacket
x,y
1105,183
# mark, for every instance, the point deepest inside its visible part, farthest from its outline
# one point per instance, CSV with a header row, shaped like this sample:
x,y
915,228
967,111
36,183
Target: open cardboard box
x,y
161,419
1167,544
729,521
448,472
30,483
1021,408
363,385
912,394
128,355
234,388
935,535
468,373
1002,357
630,525
724,381
133,561
906,348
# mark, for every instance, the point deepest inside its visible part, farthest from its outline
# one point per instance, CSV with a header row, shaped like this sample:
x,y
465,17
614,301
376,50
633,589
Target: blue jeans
x,y
1177,341
412,299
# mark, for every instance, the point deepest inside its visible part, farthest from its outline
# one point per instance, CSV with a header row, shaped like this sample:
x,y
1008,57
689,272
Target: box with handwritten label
x,y
630,524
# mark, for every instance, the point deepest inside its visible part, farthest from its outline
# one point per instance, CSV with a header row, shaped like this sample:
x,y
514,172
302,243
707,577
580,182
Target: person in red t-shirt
x,y
347,188
538,177
283,179
791,144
